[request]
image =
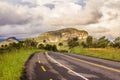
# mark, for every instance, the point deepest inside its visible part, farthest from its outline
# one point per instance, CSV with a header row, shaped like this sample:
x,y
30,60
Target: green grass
x,y
105,53
12,63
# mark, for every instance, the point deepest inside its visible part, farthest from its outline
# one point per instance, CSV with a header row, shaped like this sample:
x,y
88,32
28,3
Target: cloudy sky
x,y
29,18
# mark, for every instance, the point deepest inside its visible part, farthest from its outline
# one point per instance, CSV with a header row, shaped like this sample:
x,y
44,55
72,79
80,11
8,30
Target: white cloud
x,y
99,17
13,14
72,14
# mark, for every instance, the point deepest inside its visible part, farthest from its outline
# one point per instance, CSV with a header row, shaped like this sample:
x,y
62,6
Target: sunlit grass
x,y
12,63
106,53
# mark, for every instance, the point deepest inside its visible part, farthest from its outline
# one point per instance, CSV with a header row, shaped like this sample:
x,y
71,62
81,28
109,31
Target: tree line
x,y
91,42
28,43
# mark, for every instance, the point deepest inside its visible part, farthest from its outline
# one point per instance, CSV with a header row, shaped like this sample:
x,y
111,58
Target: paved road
x,y
59,66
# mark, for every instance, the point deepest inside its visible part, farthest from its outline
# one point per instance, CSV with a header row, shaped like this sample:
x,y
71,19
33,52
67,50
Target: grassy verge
x,y
105,53
12,63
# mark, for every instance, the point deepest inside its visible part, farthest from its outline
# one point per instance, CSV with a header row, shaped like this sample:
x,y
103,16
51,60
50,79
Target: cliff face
x,y
63,34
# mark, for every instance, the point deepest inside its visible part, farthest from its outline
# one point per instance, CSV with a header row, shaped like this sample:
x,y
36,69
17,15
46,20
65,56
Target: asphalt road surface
x,y
67,66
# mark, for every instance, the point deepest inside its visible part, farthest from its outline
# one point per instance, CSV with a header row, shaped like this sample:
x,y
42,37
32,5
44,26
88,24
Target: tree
x,y
75,39
60,44
89,41
2,46
44,41
33,44
84,44
102,42
73,42
50,47
30,43
6,46
117,42
41,46
54,48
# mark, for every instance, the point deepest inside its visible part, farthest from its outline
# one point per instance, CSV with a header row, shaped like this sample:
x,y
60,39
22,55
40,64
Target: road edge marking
x,y
91,63
66,67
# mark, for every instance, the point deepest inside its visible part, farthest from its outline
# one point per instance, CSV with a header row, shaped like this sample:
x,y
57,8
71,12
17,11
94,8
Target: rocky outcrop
x,y
8,41
63,34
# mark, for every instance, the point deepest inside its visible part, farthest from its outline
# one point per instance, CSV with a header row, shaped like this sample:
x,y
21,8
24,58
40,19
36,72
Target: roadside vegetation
x,y
100,48
14,55
13,58
12,63
104,53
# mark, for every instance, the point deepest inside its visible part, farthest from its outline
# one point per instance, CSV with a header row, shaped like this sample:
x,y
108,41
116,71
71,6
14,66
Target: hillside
x,y
8,41
61,35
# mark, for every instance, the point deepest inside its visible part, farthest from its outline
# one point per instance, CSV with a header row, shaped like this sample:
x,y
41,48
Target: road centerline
x,y
43,68
50,79
38,57
94,64
50,58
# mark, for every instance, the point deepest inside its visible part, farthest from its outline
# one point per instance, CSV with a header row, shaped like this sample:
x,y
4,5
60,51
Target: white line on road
x,y
94,64
66,67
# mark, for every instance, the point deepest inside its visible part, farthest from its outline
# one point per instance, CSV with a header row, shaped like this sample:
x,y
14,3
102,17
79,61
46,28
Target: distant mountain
x,y
62,34
9,40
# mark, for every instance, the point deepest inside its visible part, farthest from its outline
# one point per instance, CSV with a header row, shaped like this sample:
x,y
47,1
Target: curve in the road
x,y
98,65
66,67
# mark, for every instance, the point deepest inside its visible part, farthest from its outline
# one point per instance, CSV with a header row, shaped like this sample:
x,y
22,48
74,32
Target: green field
x,y
12,63
105,53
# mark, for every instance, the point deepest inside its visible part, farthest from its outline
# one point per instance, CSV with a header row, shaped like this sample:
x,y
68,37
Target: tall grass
x,y
12,63
105,53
